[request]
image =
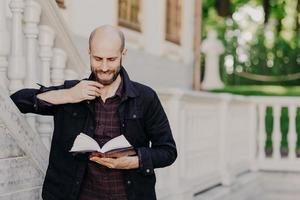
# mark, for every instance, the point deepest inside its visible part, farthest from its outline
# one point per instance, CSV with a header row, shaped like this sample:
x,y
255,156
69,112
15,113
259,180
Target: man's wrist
x,y
68,95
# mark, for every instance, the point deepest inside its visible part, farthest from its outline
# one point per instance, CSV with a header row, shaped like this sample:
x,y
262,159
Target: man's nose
x,y
104,66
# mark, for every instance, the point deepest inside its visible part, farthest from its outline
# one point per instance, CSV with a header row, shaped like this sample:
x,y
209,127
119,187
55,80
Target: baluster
x,y
31,18
292,135
277,132
71,74
46,41
58,66
4,45
16,70
262,133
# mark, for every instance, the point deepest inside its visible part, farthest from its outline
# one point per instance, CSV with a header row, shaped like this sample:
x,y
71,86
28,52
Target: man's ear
x,y
124,52
89,51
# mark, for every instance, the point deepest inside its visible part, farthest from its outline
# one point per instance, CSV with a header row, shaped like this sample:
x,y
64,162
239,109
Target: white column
x,y
46,41
16,70
4,45
31,18
187,30
154,32
262,137
58,66
292,135
276,132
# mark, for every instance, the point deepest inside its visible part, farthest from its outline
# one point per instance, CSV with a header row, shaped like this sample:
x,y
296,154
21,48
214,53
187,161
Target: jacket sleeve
x,y
27,102
163,151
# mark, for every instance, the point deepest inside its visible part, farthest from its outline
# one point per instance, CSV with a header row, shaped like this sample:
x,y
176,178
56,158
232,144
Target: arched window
x,y
129,14
173,20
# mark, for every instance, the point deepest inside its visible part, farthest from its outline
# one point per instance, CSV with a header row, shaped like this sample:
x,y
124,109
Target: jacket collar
x,y
129,89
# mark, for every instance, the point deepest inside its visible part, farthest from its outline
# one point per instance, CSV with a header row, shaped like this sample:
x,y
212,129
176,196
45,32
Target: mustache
x,y
104,72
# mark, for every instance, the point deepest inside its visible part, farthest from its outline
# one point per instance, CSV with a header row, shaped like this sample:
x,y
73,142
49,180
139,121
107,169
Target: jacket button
x,y
148,170
74,114
128,182
134,115
123,125
77,182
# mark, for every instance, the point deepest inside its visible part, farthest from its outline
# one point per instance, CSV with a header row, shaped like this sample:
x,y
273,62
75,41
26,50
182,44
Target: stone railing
x,y
221,136
215,135
278,133
35,47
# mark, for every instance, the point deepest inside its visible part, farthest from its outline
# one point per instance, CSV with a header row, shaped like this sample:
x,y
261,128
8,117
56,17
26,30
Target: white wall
x,y
84,16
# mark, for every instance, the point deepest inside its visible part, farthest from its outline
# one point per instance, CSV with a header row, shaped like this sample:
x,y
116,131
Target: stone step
x,y
28,194
18,175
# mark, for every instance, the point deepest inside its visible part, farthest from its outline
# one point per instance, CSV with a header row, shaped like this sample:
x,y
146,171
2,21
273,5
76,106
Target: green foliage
x,y
276,57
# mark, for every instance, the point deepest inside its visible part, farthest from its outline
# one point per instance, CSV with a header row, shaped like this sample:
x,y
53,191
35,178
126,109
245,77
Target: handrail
x,y
52,17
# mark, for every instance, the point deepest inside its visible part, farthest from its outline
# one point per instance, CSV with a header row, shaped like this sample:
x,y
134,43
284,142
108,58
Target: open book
x,y
114,148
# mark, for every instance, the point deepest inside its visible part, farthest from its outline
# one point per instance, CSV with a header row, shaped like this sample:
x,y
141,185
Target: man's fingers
x,y
95,84
90,97
103,160
92,93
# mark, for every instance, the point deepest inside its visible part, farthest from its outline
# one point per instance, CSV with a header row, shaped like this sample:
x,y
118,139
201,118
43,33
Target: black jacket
x,y
143,123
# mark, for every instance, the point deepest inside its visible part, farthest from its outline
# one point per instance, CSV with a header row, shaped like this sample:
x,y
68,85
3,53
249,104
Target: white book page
x,y
84,143
115,143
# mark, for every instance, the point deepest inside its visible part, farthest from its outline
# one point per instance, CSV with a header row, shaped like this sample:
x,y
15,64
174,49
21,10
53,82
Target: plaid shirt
x,y
100,182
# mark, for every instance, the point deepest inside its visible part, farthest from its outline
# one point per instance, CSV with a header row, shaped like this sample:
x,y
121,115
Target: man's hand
x,y
85,90
126,162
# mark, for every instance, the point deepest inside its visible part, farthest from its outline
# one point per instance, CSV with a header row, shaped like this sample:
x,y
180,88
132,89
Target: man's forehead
x,y
106,43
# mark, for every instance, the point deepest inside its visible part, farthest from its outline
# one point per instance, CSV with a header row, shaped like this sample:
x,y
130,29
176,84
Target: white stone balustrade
x,y
58,66
4,45
46,42
17,66
213,136
277,160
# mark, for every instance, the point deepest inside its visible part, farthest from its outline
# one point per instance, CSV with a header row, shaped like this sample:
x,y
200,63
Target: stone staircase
x,y
35,47
23,157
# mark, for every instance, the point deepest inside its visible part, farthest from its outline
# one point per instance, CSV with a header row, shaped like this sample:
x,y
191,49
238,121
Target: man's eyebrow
x,y
107,57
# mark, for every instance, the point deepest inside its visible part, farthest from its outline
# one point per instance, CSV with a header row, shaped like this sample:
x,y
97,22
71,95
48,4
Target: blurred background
x,y
227,73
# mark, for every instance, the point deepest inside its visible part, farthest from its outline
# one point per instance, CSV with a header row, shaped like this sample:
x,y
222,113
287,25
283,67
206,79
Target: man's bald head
x,y
109,32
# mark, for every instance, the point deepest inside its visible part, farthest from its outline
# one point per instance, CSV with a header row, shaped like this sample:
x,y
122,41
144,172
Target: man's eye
x,y
98,59
112,59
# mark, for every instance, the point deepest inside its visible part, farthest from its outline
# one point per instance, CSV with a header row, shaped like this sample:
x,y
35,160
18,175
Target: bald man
x,y
104,106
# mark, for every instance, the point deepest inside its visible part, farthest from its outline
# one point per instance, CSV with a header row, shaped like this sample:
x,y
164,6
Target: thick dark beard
x,y
108,82
115,76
